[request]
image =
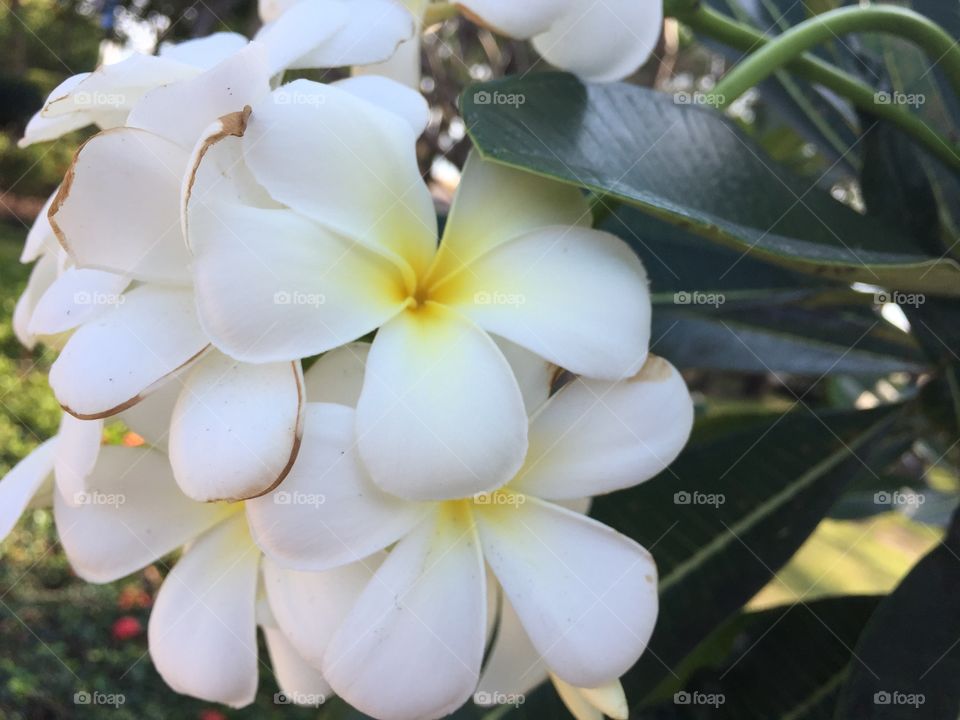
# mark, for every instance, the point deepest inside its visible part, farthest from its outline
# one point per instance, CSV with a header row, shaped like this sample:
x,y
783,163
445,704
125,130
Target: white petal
x,y
78,295
40,238
150,418
18,486
119,206
402,67
372,32
390,95
605,40
419,624
273,285
328,512
519,20
132,515
574,296
594,437
300,683
440,415
514,667
204,52
76,456
309,606
202,631
110,363
272,9
181,111
587,595
534,374
495,204
43,275
236,428
347,164
301,28
337,376
106,95
42,129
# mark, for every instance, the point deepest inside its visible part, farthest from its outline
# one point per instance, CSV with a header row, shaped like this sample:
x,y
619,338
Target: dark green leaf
x,y
689,166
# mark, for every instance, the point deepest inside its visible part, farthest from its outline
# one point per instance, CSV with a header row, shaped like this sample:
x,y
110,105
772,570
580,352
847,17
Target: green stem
x,y
747,39
830,25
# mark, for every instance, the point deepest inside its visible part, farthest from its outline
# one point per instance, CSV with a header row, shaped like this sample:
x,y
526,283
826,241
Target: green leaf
x,y
691,167
788,663
909,650
777,479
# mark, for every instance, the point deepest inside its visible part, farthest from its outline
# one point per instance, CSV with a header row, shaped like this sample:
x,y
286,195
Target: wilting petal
x,y
586,595
314,146
328,512
440,415
132,514
205,52
182,111
76,456
273,285
574,296
412,645
75,297
301,683
113,361
202,631
43,275
118,208
236,428
309,606
337,376
371,33
301,28
495,204
514,667
519,20
390,95
18,486
593,703
603,41
595,436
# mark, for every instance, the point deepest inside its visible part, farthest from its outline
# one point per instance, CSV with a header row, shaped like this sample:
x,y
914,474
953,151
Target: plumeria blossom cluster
x,y
373,440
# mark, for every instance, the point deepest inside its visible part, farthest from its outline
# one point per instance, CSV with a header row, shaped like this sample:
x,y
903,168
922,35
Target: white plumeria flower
x,y
599,40
355,249
105,97
236,427
584,595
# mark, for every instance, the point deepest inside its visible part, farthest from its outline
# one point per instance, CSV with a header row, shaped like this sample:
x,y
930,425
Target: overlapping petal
x,y
18,487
